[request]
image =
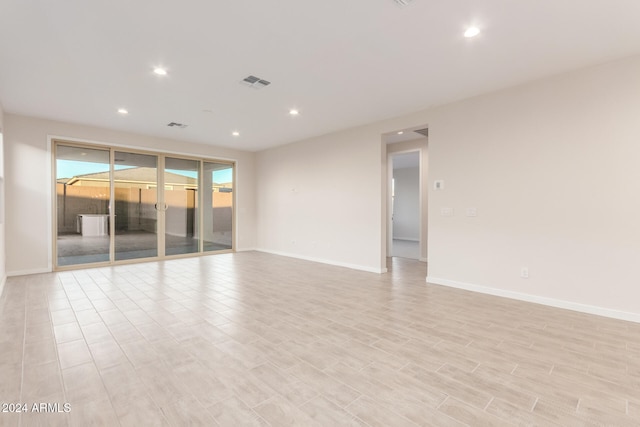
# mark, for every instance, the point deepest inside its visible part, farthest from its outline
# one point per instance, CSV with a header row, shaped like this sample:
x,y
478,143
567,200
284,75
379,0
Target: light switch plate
x,y
446,211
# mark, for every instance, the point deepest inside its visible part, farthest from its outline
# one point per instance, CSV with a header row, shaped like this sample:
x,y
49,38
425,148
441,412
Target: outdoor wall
x,y
551,166
29,188
406,204
74,200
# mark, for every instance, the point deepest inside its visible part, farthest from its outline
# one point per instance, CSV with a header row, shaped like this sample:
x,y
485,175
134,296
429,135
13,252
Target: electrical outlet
x,y
524,272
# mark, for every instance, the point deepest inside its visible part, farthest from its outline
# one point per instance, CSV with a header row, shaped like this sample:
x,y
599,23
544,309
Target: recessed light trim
x,y
235,133
294,112
123,111
160,71
400,132
471,32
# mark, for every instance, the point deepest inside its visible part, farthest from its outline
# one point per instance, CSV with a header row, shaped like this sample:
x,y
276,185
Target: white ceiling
x,y
341,63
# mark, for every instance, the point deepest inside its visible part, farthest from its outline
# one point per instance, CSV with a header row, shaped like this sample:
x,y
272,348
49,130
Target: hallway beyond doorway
x,y
405,249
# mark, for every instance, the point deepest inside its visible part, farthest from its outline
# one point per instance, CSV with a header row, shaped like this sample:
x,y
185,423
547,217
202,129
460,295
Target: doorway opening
x,y
407,233
405,205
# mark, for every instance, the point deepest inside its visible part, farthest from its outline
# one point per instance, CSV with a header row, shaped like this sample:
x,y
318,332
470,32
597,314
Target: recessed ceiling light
x,y
235,133
160,71
472,32
294,112
400,132
403,2
123,111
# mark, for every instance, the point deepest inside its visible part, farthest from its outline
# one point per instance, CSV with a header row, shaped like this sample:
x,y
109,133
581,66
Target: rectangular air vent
x,y
177,125
402,2
255,82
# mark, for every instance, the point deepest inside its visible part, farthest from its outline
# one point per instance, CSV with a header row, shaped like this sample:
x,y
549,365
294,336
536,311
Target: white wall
x,y
406,204
3,270
553,169
320,199
28,178
551,166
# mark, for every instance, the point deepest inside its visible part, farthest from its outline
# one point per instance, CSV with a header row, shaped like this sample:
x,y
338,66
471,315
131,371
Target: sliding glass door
x,y
118,205
83,194
135,179
181,235
217,206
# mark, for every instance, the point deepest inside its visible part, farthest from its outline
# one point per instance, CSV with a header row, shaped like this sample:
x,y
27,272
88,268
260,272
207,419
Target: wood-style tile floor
x,y
257,339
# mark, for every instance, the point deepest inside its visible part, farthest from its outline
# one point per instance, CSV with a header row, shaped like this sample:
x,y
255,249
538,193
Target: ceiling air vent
x,y
255,82
402,3
176,125
424,132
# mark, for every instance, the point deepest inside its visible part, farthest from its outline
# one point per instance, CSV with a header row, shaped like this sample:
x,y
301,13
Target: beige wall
x,y
29,187
551,166
320,199
3,271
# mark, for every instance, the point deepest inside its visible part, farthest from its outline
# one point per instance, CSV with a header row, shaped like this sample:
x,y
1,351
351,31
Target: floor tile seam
x,y
104,385
158,404
591,386
575,415
568,386
250,406
461,385
509,385
349,411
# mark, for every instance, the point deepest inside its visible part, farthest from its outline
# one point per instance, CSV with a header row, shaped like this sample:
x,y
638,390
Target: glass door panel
x,y
135,178
217,206
181,206
82,191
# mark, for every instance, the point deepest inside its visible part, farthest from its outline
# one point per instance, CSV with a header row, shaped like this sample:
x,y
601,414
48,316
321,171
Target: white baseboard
x,y
326,261
552,302
27,272
423,259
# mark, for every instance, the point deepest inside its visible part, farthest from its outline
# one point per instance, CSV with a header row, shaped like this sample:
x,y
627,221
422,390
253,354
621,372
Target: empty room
x,y
371,213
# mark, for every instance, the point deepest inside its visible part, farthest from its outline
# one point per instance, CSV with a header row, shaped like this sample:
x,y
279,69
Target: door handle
x,y
163,209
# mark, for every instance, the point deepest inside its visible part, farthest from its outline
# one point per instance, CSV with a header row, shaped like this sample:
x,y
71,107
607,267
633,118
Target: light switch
x,y
472,211
446,211
438,184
